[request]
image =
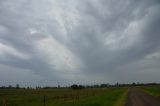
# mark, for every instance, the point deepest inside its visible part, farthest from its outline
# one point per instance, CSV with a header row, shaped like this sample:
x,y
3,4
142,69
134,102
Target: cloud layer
x,y
45,42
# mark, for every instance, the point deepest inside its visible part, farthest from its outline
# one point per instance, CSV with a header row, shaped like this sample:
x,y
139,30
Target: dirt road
x,y
138,98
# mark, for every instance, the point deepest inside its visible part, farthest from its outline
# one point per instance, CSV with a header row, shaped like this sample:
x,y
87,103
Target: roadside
x,y
122,100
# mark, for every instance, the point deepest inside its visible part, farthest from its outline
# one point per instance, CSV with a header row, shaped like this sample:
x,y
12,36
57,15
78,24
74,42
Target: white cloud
x,y
123,39
57,55
155,55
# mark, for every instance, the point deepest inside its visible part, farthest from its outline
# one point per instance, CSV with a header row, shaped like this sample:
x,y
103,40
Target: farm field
x,y
152,90
64,97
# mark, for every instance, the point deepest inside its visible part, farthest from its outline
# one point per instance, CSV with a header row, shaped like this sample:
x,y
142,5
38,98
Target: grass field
x,y
64,97
152,90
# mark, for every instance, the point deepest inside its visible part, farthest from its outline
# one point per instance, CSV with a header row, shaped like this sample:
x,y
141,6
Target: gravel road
x,y
136,97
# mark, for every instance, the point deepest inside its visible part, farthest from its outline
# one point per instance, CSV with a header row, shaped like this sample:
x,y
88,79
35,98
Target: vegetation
x,y
77,86
62,97
122,100
152,90
75,95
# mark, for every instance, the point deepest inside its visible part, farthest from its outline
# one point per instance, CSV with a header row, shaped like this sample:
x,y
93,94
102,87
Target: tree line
x,y
76,86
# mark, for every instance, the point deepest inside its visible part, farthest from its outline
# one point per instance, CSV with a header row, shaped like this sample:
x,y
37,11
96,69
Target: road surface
x,y
136,97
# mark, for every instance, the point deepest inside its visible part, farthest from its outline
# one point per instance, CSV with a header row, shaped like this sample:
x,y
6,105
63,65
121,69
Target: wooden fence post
x,y
4,101
44,101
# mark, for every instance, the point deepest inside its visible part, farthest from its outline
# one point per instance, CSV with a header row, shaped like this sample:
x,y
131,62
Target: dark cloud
x,y
95,53
80,41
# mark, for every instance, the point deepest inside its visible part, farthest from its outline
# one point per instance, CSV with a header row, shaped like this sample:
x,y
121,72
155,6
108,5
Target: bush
x,y
74,86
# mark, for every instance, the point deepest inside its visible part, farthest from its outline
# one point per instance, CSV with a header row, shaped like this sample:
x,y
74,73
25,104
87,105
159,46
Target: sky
x,y
51,42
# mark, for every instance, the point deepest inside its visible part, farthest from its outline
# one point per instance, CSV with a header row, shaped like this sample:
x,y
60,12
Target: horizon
x,y
96,85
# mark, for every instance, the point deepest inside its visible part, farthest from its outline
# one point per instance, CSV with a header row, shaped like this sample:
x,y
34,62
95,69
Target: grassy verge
x,y
122,99
109,98
152,90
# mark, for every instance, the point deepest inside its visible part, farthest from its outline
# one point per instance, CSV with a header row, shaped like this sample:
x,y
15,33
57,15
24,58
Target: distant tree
x,y
9,86
96,86
75,86
81,87
17,86
117,84
59,86
133,84
104,85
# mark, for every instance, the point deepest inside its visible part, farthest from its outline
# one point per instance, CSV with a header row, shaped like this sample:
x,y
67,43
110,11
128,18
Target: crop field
x,y
63,97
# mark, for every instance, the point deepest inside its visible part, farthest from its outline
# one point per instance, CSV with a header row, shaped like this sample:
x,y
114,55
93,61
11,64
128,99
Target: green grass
x,y
65,97
122,99
152,90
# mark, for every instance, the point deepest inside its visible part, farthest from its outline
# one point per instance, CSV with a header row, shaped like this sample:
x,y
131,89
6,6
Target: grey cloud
x,y
101,35
98,57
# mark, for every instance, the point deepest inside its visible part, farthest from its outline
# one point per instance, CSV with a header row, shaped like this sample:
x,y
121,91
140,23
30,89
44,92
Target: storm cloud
x,y
45,42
